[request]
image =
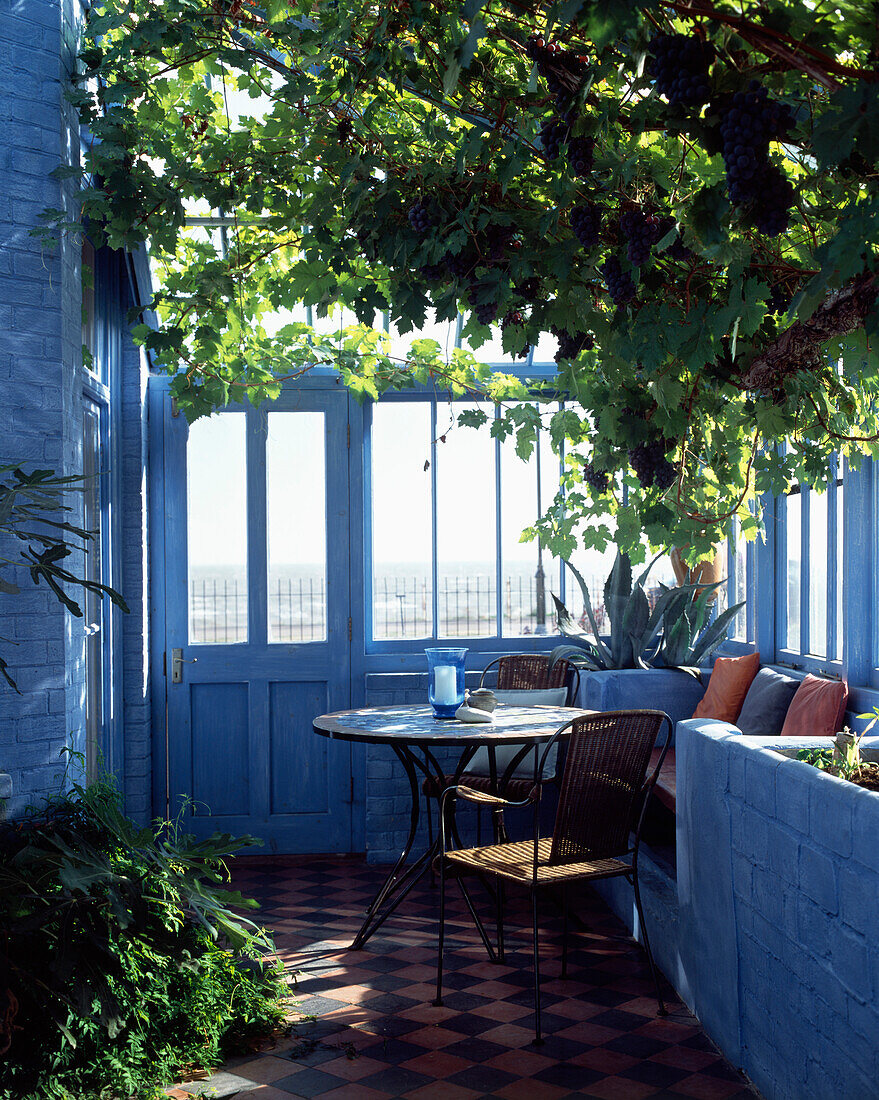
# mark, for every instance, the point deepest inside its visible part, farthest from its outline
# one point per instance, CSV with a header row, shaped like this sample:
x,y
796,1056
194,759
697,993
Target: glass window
x,y
813,539
217,529
793,535
448,505
93,607
466,529
402,539
296,521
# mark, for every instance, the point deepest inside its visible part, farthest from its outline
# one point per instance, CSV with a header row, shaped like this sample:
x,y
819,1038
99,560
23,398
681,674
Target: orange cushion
x,y
730,679
817,708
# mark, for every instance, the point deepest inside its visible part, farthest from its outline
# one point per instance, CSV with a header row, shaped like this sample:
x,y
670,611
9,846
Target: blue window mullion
x,y
434,567
805,642
832,564
498,556
257,538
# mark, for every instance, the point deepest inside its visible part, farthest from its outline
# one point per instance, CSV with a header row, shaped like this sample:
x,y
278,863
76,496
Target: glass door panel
x,y
296,492
217,530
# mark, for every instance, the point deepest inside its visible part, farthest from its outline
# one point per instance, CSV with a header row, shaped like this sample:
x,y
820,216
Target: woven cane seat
x,y
516,861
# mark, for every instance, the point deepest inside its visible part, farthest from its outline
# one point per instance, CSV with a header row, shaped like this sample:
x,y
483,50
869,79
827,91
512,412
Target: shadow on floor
x,y
366,1028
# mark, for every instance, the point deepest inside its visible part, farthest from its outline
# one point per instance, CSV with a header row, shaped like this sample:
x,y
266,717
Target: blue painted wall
x,y
41,381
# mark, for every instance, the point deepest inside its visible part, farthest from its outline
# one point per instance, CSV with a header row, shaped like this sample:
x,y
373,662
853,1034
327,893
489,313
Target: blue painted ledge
x,y
668,689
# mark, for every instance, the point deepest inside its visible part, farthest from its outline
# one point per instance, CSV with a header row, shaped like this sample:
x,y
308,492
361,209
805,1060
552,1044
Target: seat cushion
x,y
818,708
766,704
516,861
730,679
504,754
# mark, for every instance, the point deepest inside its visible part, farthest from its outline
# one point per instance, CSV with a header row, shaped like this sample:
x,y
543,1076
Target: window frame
x,y
802,658
484,644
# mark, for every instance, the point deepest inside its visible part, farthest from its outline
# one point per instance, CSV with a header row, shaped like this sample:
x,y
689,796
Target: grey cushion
x,y
547,697
765,706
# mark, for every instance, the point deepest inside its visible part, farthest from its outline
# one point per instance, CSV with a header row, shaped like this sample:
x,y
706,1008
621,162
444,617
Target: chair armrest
x,y
486,799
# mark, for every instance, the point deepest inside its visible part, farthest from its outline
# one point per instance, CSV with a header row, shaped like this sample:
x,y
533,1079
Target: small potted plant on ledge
x,y
844,760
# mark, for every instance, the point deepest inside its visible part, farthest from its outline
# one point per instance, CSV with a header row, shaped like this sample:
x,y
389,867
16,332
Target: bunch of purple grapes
x,y
586,223
749,121
497,240
677,250
421,217
680,68
598,479
529,288
642,231
651,466
563,70
485,311
619,283
571,343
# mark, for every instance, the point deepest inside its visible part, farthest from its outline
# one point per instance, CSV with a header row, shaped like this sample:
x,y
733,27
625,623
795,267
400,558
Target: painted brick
x,y
817,878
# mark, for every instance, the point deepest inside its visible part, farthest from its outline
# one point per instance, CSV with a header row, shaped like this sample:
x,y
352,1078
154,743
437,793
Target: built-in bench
x,y
664,791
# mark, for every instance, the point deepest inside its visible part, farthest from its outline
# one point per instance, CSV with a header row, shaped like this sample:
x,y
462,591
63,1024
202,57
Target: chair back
x,y
605,783
531,672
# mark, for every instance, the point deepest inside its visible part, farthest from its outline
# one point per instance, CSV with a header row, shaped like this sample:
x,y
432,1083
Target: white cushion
x,y
546,697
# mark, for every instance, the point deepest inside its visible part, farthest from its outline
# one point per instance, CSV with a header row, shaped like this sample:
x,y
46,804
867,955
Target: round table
x,y
412,732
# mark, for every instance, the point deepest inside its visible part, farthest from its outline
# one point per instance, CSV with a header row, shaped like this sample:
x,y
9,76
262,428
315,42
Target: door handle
x,y
177,664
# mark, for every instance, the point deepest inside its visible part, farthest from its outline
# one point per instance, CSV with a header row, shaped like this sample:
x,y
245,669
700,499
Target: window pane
x,y
217,530
466,532
818,551
402,602
529,575
739,570
296,527
839,569
92,603
793,512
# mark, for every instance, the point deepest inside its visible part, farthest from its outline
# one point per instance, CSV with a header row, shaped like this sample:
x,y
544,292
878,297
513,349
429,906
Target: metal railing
x,y
402,607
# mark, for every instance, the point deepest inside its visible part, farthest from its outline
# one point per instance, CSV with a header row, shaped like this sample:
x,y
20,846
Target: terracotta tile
x,y
502,1011
352,1069
508,1035
433,1038
608,1061
436,1063
619,1088
355,1092
266,1069
267,1092
708,1088
441,1090
685,1058
524,1063
529,1089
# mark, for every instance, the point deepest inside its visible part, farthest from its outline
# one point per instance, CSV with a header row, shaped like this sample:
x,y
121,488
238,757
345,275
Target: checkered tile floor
x,y
373,1034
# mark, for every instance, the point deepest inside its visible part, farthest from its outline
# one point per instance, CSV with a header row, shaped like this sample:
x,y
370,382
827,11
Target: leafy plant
x,y
673,634
32,512
705,250
122,955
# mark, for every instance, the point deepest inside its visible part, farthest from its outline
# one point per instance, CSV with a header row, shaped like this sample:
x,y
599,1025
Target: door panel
x,y
257,607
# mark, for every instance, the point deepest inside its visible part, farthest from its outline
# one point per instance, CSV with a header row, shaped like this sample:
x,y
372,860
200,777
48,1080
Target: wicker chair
x,y
516,672
605,786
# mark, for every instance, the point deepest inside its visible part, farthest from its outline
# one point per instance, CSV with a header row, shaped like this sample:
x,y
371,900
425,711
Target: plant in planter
x,y
124,958
675,633
844,759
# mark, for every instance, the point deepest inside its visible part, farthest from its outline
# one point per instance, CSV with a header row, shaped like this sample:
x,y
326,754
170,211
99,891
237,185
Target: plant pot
x,y
709,571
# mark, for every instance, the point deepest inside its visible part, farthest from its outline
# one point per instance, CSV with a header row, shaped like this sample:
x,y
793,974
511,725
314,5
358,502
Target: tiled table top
x,y
376,1036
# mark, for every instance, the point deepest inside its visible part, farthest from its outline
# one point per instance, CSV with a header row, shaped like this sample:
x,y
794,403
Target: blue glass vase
x,y
445,680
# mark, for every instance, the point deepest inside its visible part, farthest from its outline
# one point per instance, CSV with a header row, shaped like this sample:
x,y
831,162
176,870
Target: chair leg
x,y
564,931
430,835
653,972
500,901
538,1037
442,929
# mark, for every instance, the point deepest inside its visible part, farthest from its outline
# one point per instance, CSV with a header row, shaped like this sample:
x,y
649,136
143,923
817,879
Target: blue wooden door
x,y
257,629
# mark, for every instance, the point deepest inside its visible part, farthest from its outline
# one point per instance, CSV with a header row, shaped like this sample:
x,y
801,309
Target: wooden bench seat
x,y
664,790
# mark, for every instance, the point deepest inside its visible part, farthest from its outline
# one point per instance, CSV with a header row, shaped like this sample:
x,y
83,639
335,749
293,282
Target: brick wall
x,y
41,380
39,361
778,876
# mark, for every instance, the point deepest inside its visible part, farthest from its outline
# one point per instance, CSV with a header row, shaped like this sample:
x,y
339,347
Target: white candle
x,y
445,685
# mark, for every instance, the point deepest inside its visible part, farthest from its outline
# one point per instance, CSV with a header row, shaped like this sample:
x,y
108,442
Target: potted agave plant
x,y
676,633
